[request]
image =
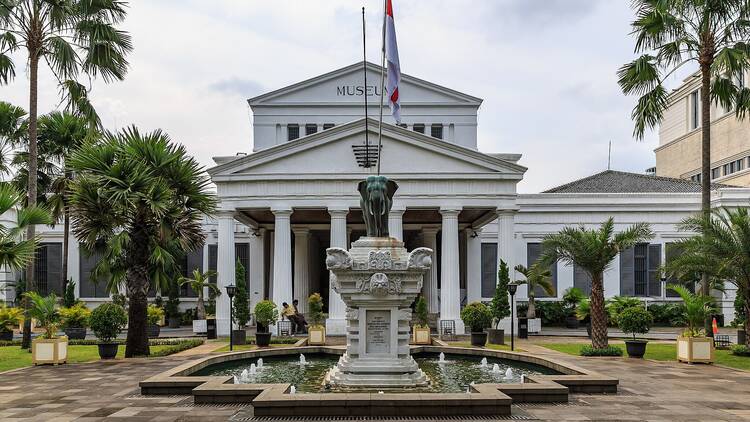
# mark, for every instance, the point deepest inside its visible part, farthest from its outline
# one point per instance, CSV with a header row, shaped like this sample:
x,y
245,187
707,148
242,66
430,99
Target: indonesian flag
x,y
394,68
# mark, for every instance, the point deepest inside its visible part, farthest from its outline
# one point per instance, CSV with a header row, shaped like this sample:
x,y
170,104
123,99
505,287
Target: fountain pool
x,y
453,375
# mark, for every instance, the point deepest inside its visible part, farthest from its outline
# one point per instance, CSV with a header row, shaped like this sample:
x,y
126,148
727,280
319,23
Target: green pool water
x,y
452,376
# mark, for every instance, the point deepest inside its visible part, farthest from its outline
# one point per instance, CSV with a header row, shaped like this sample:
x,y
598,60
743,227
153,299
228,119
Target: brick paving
x,y
654,391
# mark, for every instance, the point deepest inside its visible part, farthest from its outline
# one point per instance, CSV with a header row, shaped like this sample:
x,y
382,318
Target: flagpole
x,y
382,93
364,70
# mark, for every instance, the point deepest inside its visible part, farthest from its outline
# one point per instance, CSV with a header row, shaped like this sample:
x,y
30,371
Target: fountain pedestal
x,y
378,280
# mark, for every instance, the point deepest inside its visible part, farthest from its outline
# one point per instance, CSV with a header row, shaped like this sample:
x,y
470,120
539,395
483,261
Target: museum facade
x,y
296,194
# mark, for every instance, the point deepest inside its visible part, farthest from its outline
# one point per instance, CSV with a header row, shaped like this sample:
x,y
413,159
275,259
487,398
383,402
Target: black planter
x,y
478,339
572,322
262,339
153,330
636,348
107,350
496,336
75,333
6,335
174,322
741,336
239,337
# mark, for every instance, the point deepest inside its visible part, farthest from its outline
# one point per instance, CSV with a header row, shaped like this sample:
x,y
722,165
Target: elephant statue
x,y
376,200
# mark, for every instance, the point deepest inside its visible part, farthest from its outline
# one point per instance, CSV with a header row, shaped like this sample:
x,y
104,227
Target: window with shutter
x,y
292,132
582,280
213,257
489,269
627,272
671,251
88,287
533,253
654,274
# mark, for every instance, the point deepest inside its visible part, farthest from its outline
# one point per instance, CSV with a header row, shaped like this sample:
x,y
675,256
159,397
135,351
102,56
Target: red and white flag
x,y
394,68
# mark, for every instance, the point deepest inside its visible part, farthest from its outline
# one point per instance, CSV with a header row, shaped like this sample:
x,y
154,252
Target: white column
x,y
336,322
282,257
301,267
224,268
271,236
430,285
257,268
505,240
395,222
450,290
205,263
473,265
74,263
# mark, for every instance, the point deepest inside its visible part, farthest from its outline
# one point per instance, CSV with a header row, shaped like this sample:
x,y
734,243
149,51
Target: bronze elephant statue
x,y
376,200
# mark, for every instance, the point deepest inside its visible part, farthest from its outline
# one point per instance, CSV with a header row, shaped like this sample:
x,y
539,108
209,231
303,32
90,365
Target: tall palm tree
x,y
139,199
13,129
712,34
198,283
72,37
593,251
537,275
721,248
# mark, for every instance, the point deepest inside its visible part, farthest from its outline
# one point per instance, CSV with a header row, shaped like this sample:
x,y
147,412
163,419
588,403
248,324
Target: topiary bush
x,y
618,304
76,316
315,309
69,295
588,350
154,314
107,321
499,307
266,312
241,306
477,316
420,309
635,320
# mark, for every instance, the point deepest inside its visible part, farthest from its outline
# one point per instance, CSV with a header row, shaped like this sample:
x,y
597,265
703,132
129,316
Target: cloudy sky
x,y
545,68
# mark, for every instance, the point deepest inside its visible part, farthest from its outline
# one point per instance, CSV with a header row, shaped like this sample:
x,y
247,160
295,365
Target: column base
x,y
460,329
335,327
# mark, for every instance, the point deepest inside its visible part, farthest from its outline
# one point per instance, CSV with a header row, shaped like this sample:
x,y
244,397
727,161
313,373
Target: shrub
x,y
671,314
177,347
552,312
9,317
588,350
619,303
741,350
477,316
44,310
739,311
635,320
172,307
76,316
315,309
69,296
583,310
266,312
120,299
241,307
107,321
499,307
154,314
571,298
420,309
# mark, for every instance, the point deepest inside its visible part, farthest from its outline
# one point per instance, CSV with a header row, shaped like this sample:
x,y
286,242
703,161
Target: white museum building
x,y
295,195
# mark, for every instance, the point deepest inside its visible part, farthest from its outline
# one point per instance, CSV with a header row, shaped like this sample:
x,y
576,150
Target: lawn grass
x,y
487,346
13,357
661,352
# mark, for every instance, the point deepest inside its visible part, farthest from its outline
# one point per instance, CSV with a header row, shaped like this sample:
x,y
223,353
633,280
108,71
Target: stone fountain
x,y
378,279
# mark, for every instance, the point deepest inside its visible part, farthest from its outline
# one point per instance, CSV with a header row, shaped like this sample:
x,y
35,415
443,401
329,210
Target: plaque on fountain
x,y
378,332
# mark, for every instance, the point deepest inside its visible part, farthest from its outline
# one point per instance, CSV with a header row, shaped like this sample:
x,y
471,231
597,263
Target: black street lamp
x,y
512,287
230,292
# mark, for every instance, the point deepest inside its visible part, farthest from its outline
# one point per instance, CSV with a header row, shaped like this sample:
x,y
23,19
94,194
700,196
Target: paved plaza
x,y
649,390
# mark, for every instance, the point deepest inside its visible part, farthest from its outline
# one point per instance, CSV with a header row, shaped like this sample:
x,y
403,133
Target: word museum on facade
x,y
295,195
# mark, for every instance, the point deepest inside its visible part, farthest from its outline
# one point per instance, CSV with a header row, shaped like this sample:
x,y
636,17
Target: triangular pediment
x,y
332,152
346,85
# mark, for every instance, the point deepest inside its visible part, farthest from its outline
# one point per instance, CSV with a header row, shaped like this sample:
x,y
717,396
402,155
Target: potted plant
x,y
635,320
316,333
499,307
241,305
198,283
266,313
9,317
49,347
75,319
421,328
572,297
537,275
172,307
477,316
693,345
154,315
107,321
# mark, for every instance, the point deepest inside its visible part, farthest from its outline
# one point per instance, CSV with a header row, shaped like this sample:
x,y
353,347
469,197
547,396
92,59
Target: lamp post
x,y
512,287
230,292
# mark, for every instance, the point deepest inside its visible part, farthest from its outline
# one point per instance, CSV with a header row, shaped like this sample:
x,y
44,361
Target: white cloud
x,y
545,68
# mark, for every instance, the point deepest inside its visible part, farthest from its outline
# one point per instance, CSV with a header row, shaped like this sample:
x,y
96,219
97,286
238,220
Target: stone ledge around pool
x,y
275,400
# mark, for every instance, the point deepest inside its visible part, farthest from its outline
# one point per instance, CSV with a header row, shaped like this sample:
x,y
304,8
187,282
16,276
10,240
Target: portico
x,y
442,201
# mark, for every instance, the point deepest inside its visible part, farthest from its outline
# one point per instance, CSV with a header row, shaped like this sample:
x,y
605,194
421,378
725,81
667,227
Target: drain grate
x,y
238,418
541,405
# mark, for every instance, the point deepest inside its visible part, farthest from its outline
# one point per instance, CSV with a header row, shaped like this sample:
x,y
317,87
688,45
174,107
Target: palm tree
x,y
198,283
673,33
13,129
138,199
721,249
698,307
72,37
538,275
593,251
15,250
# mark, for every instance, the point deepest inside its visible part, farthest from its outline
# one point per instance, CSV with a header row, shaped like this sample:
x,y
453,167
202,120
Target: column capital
x,y
450,210
225,213
506,212
338,211
282,211
472,232
398,209
431,230
301,231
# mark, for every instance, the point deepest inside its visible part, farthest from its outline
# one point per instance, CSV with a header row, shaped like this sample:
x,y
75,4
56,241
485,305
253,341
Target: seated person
x,y
300,318
290,314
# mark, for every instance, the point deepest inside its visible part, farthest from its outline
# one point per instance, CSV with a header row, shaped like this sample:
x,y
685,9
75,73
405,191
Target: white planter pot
x,y
535,325
695,349
200,326
54,351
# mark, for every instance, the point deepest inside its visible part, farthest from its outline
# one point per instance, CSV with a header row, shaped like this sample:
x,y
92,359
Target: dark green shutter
x,y
489,269
581,280
654,275
54,268
533,253
627,272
